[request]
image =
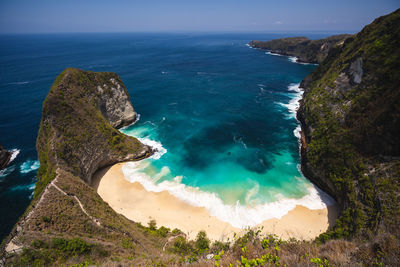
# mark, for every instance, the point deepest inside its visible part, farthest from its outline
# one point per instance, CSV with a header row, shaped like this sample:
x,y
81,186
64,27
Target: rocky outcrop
x,y
306,50
350,116
115,104
77,130
77,137
4,157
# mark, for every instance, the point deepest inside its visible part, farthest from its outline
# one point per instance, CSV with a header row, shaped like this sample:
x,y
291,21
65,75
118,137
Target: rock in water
x,y
4,157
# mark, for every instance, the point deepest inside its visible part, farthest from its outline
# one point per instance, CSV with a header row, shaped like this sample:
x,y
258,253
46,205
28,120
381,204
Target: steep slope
x,y
350,118
306,50
67,222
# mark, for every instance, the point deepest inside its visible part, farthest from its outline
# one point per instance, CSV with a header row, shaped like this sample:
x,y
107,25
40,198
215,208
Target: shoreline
x,y
139,205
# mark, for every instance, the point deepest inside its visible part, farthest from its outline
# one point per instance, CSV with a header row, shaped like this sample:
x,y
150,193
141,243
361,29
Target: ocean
x,y
221,114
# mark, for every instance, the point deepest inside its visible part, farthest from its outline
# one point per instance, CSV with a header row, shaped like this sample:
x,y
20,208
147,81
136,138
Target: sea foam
x,y
293,59
6,171
157,146
273,54
293,104
29,165
240,216
14,154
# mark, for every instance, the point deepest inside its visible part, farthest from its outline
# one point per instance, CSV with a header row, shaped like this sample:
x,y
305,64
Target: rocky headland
x,y
304,49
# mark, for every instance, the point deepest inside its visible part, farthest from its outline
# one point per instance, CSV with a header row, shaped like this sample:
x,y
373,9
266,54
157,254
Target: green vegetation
x,y
44,253
353,125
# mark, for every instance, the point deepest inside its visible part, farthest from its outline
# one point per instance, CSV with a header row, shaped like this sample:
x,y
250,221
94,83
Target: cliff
x,y
4,157
77,127
67,221
350,116
306,50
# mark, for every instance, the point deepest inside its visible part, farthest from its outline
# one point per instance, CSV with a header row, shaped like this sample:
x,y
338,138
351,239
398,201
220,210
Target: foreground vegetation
x,y
251,249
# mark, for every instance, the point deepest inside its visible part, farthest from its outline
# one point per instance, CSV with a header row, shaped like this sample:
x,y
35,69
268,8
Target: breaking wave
x,y
238,215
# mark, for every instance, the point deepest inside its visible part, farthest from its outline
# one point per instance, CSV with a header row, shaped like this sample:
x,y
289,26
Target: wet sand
x,y
139,205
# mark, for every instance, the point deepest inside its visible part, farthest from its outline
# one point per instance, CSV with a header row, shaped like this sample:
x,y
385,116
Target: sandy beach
x,y
139,205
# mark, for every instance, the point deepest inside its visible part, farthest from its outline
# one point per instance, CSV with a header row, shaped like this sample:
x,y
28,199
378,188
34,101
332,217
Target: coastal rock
x,y
356,70
306,50
4,157
116,106
78,124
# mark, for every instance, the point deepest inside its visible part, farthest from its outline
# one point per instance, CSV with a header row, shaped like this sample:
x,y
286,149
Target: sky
x,y
49,16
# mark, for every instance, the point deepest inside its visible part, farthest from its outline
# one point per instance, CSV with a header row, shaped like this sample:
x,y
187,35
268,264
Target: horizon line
x,y
186,32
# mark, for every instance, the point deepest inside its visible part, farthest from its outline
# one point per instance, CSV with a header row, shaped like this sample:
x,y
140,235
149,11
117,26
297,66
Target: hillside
x,y
350,116
67,221
306,50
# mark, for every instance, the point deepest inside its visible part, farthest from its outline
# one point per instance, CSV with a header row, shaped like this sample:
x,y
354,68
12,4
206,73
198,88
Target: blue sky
x,y
43,16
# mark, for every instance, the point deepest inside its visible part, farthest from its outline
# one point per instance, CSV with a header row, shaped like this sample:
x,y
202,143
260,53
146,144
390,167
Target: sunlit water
x,y
222,112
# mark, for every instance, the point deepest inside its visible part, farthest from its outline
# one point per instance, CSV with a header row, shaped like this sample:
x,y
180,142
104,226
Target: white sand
x,y
139,205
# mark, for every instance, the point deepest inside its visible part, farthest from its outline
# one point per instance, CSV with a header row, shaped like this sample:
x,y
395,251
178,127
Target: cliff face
x,y
4,157
350,117
306,50
77,130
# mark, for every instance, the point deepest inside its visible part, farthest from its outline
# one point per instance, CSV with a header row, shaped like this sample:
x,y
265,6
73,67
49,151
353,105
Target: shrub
x,y
181,245
202,242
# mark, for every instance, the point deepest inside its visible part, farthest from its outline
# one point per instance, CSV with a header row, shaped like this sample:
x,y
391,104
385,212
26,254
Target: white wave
x,y
293,104
261,85
136,120
295,87
29,165
6,171
293,59
14,154
297,131
19,83
29,187
273,54
241,216
157,146
164,72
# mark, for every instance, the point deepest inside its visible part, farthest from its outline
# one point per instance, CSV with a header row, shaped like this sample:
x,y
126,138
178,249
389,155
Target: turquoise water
x,y
226,135
224,113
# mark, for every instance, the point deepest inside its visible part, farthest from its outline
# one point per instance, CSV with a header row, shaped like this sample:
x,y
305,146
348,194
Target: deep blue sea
x,y
221,113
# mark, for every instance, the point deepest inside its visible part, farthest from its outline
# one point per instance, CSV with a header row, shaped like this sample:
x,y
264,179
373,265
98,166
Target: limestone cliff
x,y
75,139
4,157
306,50
350,117
77,128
